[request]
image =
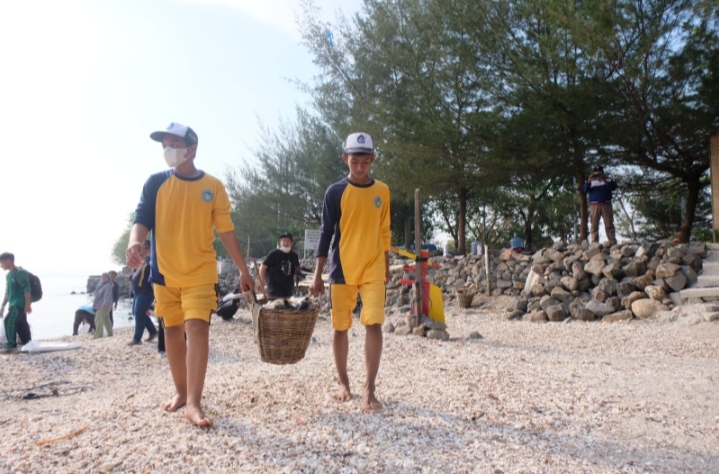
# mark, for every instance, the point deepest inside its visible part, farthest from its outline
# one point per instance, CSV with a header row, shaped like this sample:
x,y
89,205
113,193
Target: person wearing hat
x,y
355,212
279,269
600,188
183,207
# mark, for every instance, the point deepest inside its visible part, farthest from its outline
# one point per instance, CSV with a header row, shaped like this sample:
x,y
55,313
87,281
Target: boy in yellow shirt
x,y
356,212
181,207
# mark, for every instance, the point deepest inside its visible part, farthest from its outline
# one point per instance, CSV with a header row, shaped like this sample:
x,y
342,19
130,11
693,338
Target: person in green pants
x,y
102,306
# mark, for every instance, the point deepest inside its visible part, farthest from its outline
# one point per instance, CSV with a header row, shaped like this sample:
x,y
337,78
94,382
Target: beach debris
x,y
60,438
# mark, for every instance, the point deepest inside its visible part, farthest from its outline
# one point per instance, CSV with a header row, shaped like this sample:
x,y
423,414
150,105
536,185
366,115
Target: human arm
x,y
232,245
318,286
133,254
263,272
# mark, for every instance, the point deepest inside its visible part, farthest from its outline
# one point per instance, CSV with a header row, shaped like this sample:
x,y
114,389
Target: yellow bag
x,y
436,304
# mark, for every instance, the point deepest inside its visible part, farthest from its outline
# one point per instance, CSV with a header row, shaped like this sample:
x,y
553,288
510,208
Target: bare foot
x,y
369,401
197,416
173,405
343,393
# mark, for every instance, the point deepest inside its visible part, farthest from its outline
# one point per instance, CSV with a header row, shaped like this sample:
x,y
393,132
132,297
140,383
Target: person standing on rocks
x,y
143,297
18,294
600,188
183,207
356,213
280,267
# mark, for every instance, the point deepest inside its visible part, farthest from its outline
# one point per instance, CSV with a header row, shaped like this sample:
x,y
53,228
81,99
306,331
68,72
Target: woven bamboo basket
x,y
283,335
464,297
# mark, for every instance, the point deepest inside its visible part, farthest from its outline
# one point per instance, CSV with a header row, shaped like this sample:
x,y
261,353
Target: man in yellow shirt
x,y
356,213
183,207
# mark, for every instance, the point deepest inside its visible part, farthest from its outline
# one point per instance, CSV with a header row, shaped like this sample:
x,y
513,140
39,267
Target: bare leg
x,y
198,341
372,354
340,347
176,355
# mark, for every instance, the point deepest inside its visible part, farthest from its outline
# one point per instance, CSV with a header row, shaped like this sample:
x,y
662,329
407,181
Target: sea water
x,y
54,314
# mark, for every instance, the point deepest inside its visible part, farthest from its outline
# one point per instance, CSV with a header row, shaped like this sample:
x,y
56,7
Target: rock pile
x,y
428,328
611,283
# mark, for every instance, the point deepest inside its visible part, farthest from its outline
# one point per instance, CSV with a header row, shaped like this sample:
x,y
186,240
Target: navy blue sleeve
x,y
585,188
331,213
612,185
145,212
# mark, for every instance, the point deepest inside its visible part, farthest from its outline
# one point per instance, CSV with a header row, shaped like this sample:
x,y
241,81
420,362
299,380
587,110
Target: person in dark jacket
x,y
143,299
115,294
280,268
600,188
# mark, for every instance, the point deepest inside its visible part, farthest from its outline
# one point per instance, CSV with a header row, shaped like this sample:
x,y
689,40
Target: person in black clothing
x,y
143,297
115,294
280,268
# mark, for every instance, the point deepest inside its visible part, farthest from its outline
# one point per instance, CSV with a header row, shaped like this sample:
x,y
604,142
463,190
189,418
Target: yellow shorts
x,y
344,299
177,305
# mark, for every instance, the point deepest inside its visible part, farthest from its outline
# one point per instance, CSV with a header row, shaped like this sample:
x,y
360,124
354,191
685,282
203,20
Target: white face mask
x,y
285,249
175,156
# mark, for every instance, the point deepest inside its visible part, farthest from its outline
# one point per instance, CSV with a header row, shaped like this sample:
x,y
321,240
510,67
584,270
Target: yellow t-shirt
x,y
358,217
182,214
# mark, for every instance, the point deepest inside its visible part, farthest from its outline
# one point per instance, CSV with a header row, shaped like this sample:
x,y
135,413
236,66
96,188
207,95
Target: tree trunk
x,y
692,199
528,231
408,232
583,209
462,224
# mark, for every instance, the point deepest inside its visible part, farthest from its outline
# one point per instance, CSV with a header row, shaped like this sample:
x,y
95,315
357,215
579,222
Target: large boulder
x,y
655,292
517,303
594,267
578,271
676,282
560,294
608,286
625,289
615,302
666,270
556,313
619,316
547,301
690,274
570,283
646,308
537,317
612,270
632,297
635,268
643,281
599,309
538,289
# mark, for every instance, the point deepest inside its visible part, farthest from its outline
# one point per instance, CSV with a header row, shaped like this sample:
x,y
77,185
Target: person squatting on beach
x,y
84,313
102,305
356,212
18,294
182,207
142,299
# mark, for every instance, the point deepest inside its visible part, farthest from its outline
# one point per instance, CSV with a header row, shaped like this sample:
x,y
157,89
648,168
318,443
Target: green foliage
x,y
118,249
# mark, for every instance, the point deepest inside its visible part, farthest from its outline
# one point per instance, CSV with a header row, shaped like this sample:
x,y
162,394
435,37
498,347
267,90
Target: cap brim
x,y
158,136
359,150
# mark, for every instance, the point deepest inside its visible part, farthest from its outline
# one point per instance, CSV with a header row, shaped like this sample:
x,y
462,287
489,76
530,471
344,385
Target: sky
x,y
84,83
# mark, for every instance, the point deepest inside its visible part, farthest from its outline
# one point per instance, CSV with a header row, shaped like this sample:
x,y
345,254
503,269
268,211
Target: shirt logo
x,y
360,139
208,195
378,202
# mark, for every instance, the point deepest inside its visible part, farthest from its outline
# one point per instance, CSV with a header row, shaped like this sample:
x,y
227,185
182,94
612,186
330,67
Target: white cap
x,y
359,143
179,130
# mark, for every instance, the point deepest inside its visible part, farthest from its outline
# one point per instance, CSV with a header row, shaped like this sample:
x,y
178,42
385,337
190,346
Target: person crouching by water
x,y
84,313
102,306
280,267
143,299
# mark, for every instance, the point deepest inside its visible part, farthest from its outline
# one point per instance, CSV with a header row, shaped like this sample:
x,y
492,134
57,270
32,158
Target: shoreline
x,y
554,397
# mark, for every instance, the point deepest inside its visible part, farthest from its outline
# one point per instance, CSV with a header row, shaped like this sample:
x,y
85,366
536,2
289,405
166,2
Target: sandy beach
x,y
553,397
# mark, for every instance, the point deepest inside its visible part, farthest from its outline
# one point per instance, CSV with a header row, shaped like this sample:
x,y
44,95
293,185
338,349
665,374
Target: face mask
x,y
285,249
175,156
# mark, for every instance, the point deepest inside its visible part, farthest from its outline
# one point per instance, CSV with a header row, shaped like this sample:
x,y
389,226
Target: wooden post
x,y
248,247
418,252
